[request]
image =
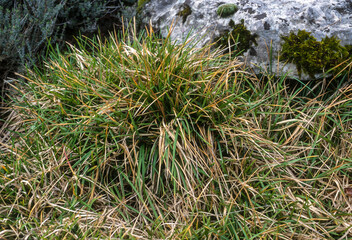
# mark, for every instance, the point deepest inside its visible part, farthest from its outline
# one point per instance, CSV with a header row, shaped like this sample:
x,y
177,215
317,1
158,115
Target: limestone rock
x,y
268,19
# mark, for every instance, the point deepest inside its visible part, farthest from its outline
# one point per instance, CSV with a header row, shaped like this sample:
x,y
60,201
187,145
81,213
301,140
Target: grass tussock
x,y
140,137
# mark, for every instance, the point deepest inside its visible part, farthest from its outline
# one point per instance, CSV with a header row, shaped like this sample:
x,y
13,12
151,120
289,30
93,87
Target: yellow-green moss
x,y
311,56
349,49
141,4
240,39
184,12
226,10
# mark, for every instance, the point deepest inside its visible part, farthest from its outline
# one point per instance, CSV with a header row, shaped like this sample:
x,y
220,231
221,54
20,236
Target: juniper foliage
x,y
27,25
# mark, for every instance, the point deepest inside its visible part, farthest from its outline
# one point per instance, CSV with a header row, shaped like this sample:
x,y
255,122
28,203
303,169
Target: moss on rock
x,y
226,10
311,56
238,39
184,12
141,4
349,49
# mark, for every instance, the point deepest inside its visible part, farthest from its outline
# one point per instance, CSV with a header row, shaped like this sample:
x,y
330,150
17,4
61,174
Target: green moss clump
x,y
349,49
239,39
185,12
311,56
226,10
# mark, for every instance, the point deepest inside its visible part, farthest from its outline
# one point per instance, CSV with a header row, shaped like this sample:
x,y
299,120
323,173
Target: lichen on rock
x,y
266,18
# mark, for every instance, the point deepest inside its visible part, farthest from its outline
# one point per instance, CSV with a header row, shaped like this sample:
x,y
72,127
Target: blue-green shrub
x,y
27,25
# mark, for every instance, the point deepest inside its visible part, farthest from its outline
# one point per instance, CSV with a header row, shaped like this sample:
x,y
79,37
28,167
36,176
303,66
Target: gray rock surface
x,y
269,19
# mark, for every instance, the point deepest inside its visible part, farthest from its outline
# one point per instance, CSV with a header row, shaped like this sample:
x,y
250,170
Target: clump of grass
x,y
141,137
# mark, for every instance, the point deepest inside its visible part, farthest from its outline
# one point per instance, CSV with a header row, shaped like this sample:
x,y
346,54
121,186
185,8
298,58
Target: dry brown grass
x,y
80,161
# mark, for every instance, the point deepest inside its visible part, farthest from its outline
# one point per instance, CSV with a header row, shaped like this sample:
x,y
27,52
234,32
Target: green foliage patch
x,y
238,39
27,25
184,12
141,4
312,56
